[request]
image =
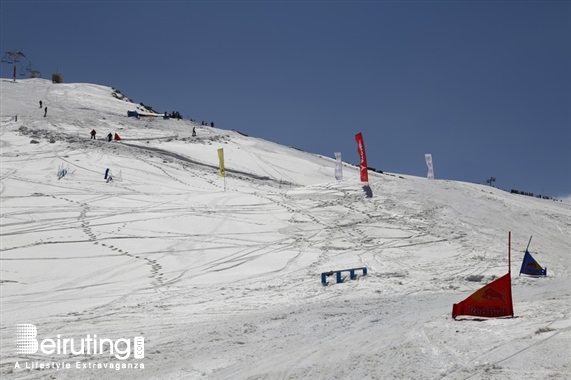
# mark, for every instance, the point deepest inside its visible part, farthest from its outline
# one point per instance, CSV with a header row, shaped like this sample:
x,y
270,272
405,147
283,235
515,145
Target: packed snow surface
x,y
222,276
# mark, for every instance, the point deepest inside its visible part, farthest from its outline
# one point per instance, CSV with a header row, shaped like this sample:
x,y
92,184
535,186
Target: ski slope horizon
x,y
221,276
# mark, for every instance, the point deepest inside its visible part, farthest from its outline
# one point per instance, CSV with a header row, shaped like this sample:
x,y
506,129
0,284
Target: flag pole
x,y
528,243
509,252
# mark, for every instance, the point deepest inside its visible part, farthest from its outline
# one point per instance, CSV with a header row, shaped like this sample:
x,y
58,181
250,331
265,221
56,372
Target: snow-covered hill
x,y
221,276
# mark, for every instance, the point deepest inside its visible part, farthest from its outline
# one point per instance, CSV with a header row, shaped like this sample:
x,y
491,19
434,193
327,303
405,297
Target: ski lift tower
x,y
13,57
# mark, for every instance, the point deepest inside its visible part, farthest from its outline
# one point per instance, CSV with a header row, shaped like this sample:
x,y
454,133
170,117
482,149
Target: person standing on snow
x,y
40,104
93,132
109,136
45,111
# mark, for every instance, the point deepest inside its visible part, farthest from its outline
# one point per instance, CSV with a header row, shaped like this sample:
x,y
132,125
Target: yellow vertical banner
x,y
221,159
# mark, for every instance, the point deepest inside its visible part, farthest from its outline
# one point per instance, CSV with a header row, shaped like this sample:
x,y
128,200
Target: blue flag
x,y
530,267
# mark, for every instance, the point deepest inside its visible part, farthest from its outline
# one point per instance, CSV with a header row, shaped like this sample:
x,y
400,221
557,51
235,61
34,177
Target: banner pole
x,y
509,252
528,243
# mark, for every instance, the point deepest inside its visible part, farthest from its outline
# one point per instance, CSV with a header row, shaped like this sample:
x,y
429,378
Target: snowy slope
x,y
222,276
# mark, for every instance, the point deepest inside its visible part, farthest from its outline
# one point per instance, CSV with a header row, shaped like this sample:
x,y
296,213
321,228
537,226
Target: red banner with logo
x,y
492,301
363,157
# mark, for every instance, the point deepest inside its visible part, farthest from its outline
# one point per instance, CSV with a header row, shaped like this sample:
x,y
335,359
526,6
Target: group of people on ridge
x,y
173,115
45,109
109,136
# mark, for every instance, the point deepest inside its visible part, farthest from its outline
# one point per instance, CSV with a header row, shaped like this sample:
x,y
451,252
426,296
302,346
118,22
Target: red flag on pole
x,y
362,156
117,138
492,301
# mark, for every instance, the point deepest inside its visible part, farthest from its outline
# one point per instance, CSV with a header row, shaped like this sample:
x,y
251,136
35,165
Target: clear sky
x,y
484,86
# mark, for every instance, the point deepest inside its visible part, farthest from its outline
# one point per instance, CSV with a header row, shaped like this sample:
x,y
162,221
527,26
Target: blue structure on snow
x,y
339,278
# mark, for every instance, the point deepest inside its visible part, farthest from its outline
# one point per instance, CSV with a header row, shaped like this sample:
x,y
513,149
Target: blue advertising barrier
x,y
338,276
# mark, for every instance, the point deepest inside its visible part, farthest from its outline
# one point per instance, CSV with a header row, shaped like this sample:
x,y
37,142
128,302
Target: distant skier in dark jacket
x,y
45,111
93,132
40,104
109,136
194,132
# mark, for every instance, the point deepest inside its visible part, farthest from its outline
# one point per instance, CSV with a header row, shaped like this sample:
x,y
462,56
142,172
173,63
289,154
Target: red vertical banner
x,y
362,156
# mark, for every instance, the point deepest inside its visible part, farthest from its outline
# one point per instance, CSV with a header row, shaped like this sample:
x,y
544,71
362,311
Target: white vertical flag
x,y
428,158
338,167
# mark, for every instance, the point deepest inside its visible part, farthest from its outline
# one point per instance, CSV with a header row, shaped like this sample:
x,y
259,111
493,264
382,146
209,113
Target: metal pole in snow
x,y
526,250
528,243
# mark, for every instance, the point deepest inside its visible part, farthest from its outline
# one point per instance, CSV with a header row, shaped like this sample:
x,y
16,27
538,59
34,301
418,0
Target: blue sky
x,y
483,86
